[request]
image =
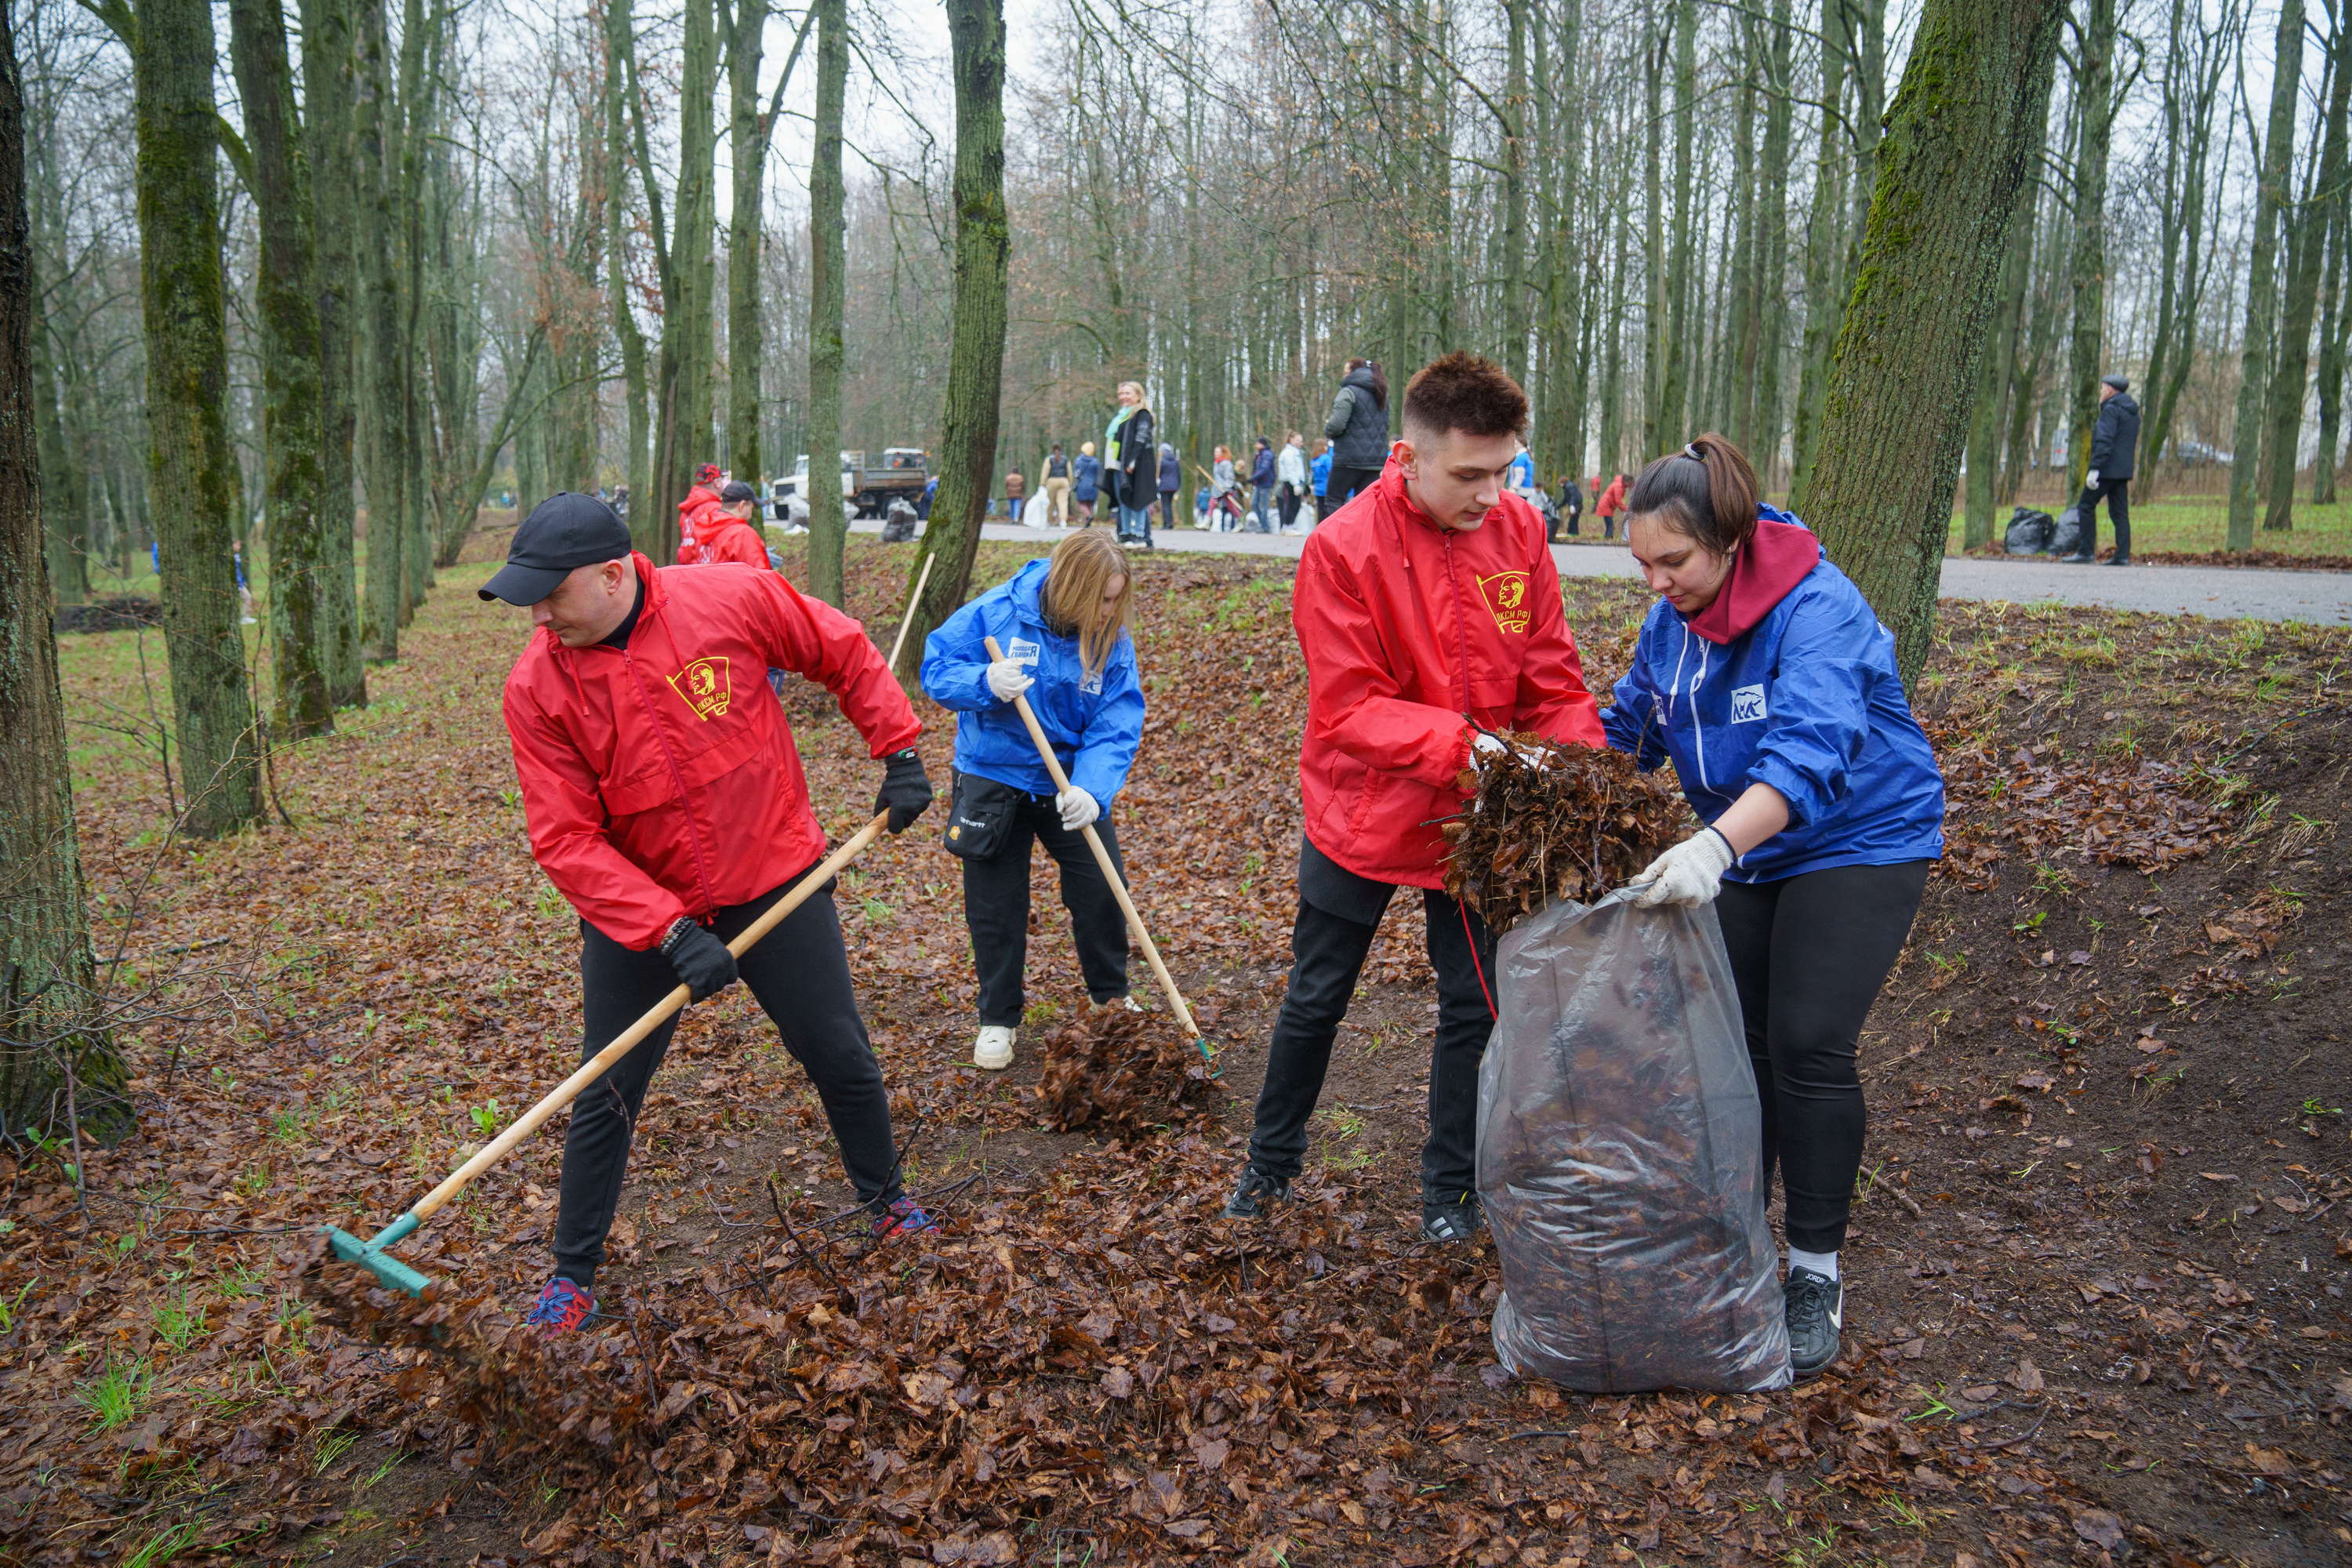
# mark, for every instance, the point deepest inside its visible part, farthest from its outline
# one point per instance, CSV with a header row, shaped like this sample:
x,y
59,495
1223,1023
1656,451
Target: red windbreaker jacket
x,y
1410,631
661,780
698,514
727,538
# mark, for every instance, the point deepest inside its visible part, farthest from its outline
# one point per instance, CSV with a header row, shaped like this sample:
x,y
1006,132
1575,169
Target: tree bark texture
x,y
2305,226
2094,108
828,261
64,488
683,388
384,407
976,347
1960,136
327,66
49,1027
184,308
286,303
2262,277
747,137
637,465
1824,257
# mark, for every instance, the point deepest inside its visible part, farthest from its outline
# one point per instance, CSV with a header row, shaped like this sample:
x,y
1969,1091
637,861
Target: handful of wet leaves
x,y
1115,1070
1547,822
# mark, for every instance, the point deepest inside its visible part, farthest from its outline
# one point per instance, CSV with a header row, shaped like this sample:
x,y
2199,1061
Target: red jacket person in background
x,y
1429,612
728,533
698,514
666,801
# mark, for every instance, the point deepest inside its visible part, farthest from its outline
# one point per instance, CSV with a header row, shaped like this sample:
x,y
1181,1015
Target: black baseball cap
x,y
564,532
735,491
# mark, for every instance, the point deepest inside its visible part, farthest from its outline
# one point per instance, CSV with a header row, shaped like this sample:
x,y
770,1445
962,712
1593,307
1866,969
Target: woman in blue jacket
x,y
1767,679
1061,625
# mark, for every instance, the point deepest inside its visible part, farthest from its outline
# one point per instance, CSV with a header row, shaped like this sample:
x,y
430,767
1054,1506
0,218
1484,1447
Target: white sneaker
x,y
993,1050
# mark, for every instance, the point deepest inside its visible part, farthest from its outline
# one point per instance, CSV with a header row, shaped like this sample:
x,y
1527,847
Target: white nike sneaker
x,y
993,1050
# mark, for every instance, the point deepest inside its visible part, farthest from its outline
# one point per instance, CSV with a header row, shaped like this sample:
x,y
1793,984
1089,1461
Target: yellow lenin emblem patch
x,y
703,684
1507,596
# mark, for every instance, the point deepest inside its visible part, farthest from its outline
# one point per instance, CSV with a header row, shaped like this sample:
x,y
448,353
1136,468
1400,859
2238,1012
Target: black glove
x,y
701,960
906,789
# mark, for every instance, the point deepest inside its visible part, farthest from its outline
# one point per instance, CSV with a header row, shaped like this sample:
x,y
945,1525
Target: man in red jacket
x,y
668,805
1429,612
698,514
730,534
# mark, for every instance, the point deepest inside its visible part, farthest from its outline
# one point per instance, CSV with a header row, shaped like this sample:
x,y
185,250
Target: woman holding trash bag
x,y
1061,625
1768,680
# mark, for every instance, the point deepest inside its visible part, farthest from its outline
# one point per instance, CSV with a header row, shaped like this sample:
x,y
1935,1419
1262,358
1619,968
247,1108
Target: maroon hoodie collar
x,y
1775,559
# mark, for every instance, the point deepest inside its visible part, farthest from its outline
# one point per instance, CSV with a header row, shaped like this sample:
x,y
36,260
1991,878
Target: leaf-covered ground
x,y
2096,1303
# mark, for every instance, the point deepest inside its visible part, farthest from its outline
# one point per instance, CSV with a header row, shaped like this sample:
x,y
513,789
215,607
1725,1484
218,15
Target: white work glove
x,y
2092,479
1691,873
1008,679
1079,808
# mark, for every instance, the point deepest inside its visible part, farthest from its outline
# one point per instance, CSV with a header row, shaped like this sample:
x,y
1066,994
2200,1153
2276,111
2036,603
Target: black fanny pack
x,y
980,816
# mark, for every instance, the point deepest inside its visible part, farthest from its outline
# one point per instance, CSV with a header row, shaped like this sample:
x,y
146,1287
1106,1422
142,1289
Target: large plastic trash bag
x,y
1621,1158
2071,535
2029,532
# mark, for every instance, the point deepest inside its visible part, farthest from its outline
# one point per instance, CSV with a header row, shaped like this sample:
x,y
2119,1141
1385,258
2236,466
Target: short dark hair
x,y
1706,490
1463,392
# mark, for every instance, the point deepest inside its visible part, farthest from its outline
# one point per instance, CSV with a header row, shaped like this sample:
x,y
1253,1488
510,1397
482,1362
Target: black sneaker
x,y
1254,1192
1815,1306
1452,1220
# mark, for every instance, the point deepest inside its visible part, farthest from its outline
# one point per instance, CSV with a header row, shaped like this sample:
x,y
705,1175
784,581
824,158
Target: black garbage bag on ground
x,y
899,523
2029,532
1621,1158
2071,536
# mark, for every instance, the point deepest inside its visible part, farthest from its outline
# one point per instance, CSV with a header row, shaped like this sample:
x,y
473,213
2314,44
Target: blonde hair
x,y
1087,447
1082,567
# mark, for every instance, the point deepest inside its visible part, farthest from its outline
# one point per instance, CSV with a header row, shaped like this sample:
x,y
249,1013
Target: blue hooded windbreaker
x,y
1808,700
1094,722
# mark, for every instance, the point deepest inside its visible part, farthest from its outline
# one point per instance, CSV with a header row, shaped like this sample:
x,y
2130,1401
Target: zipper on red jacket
x,y
677,776
1461,627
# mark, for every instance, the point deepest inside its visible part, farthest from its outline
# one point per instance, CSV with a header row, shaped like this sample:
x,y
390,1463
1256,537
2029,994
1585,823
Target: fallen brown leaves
x,y
1116,1070
1547,821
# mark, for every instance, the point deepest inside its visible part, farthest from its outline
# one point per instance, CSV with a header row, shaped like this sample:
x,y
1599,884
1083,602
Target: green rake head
x,y
373,1256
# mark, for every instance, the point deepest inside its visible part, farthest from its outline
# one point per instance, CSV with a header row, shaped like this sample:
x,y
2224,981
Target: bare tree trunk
x,y
827,260
637,463
1963,130
327,83
1992,382
1779,83
2262,276
185,305
286,301
384,421
2306,237
683,426
1512,217
64,486
49,1026
1824,257
2094,108
976,350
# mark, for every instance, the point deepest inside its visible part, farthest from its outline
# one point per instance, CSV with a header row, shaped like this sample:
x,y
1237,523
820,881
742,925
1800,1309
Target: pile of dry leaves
x,y
1116,1070
1548,821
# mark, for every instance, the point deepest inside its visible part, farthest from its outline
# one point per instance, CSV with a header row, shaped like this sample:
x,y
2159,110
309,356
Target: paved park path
x,y
2321,598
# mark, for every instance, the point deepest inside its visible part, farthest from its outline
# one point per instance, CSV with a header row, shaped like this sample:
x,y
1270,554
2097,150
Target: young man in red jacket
x,y
730,534
1429,612
666,801
698,514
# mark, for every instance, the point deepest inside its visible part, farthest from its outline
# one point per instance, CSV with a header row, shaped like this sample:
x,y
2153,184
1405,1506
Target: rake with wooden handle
x,y
1110,874
373,1256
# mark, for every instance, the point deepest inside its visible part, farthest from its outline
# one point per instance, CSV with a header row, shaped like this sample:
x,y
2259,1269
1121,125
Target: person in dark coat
x,y
1359,429
1131,465
2115,442
1571,503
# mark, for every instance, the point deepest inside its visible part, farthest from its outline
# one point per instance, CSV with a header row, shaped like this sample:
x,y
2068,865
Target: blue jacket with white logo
x,y
1093,721
1808,700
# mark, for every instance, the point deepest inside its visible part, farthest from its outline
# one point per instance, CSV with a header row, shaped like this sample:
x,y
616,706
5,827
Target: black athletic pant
x,y
2118,494
1328,952
1286,499
1345,482
1809,954
996,910
800,975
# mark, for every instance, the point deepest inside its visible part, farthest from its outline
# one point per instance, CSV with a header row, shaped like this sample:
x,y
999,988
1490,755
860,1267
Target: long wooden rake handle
x,y
596,1066
909,619
1109,870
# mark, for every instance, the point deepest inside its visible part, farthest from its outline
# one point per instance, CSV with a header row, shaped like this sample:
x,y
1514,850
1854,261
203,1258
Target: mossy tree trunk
x,y
682,439
983,245
637,465
183,305
2305,226
2094,111
286,301
383,421
828,258
2262,276
1965,127
328,68
65,487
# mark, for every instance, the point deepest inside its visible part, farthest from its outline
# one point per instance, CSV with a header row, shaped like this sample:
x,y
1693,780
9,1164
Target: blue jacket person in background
x,y
1767,679
1061,625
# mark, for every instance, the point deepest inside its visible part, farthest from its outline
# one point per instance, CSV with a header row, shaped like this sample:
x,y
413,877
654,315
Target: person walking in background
x,y
1131,465
1223,504
1057,488
1321,479
2113,443
1571,503
1016,489
1290,473
1262,468
930,494
1359,429
1523,475
1085,482
1062,627
1613,501
1171,479
697,510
